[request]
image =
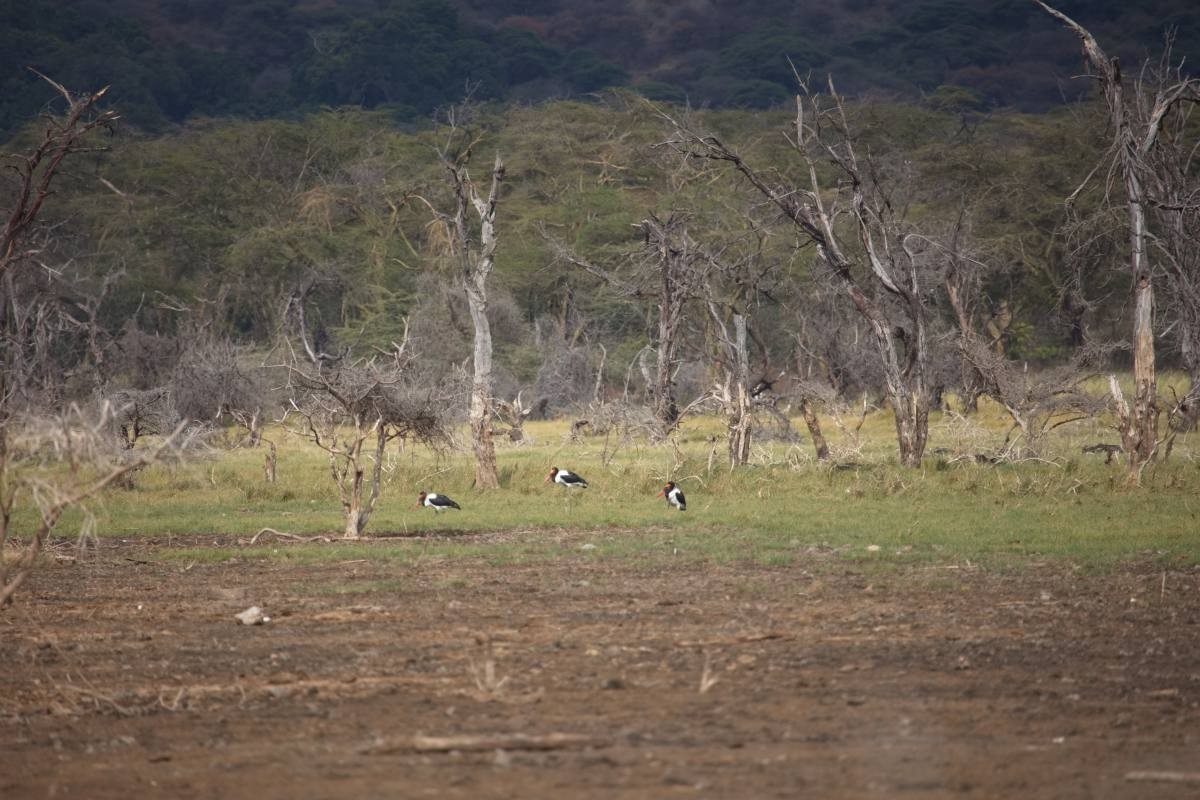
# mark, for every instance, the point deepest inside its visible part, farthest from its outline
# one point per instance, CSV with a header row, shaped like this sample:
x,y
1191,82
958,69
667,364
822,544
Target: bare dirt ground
x,y
128,677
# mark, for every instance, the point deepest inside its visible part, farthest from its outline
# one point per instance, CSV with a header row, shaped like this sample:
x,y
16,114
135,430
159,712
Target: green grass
x,y
781,510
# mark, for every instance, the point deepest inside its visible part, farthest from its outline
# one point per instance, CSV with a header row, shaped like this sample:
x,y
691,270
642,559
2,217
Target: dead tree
x,y
35,171
352,408
1173,185
1037,403
1137,119
667,269
252,423
476,252
34,312
883,283
962,282
733,289
514,415
808,391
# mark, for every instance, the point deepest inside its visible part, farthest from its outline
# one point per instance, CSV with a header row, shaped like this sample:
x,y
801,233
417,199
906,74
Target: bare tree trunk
x,y
741,422
662,391
270,462
352,489
481,395
676,264
814,429
476,266
1140,435
37,169
968,375
1139,427
675,254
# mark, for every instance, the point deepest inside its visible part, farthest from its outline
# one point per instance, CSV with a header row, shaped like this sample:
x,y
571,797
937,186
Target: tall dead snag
x,y
1173,185
476,257
883,283
1137,120
668,269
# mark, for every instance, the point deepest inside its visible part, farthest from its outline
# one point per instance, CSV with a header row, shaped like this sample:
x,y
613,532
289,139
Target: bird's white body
x,y
675,498
674,495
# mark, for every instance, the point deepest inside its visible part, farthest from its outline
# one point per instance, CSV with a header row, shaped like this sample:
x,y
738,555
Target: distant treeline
x,y
177,59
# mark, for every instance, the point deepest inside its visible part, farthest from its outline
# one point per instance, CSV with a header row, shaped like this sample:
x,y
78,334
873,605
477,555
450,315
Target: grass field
x,y
1064,505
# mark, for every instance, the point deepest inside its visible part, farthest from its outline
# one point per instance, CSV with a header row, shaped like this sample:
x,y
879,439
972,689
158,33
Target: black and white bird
x,y
674,496
438,502
564,477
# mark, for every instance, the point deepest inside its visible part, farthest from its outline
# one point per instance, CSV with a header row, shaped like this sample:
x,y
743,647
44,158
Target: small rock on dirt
x,y
252,616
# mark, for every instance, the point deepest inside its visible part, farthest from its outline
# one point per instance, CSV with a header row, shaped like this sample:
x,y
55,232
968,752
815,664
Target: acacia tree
x,y
475,249
1137,120
883,282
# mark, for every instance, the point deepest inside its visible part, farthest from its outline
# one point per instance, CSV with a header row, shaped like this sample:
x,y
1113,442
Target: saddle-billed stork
x,y
564,477
674,496
438,502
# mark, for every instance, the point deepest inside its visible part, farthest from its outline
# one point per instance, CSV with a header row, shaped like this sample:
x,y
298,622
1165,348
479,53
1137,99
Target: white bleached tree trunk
x,y
476,265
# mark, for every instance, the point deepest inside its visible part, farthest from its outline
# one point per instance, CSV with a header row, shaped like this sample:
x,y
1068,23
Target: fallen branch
x,y
294,536
485,742
755,637
1164,776
98,697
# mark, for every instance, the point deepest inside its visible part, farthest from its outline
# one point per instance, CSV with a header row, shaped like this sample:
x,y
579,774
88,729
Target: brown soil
x,y
121,678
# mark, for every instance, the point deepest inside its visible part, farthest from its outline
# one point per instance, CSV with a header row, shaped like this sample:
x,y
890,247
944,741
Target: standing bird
x,y
438,502
674,496
564,477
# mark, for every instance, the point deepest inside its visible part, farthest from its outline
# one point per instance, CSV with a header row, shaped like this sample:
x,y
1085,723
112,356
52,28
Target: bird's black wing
x,y
445,502
571,477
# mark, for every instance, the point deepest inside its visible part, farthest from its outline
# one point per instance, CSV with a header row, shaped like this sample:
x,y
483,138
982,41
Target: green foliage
x,y
252,208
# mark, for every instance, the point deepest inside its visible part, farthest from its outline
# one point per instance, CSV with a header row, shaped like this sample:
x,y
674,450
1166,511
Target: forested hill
x,y
169,60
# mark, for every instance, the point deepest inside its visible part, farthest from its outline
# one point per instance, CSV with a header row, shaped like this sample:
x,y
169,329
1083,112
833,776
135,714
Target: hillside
x,y
176,59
